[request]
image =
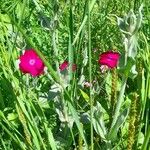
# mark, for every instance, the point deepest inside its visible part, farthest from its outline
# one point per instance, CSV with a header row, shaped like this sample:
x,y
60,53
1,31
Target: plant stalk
x,y
119,102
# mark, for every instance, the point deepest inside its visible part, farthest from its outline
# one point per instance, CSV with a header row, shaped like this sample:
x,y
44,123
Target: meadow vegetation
x,y
84,104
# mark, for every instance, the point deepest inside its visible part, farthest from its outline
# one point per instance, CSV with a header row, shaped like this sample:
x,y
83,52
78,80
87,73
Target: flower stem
x,y
90,74
119,102
146,140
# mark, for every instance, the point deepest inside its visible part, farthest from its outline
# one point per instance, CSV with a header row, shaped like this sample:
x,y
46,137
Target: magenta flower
x,y
65,65
109,59
31,63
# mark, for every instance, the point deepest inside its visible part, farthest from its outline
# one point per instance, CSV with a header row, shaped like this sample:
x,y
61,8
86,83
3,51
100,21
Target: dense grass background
x,y
56,110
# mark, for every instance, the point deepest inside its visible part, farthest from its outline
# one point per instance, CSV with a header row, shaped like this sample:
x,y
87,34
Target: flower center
x,y
32,62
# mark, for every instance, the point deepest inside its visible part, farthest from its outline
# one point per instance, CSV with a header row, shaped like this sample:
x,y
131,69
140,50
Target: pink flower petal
x,y
34,72
109,59
64,65
39,64
31,63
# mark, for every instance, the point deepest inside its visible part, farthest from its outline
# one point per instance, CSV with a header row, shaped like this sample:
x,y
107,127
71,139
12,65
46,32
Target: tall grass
x,y
56,110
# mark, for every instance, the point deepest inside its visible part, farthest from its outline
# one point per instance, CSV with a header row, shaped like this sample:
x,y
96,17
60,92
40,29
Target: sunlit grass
x,y
55,110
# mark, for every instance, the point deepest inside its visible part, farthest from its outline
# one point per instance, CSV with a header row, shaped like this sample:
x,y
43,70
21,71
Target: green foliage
x,y
56,110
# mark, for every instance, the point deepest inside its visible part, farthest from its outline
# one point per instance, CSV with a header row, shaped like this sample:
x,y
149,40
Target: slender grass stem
x,y
19,23
146,140
55,39
91,5
90,74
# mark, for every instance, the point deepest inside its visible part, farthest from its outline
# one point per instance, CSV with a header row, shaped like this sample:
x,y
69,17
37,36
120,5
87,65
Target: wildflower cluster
x,y
31,63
